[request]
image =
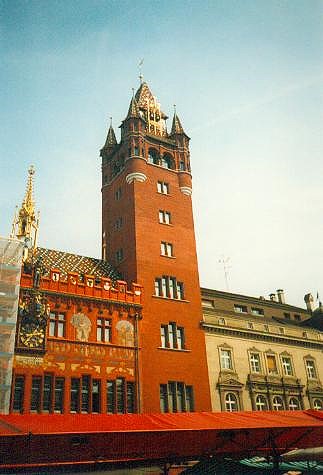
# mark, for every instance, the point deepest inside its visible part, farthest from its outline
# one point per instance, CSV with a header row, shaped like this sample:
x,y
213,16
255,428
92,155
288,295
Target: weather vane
x,y
141,62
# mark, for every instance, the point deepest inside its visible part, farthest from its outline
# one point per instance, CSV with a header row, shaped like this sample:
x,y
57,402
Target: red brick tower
x,y
148,234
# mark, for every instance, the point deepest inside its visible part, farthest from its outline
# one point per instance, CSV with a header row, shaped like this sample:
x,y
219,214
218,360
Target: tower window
x,y
163,187
153,156
172,336
164,217
118,194
169,287
118,223
181,166
167,161
166,249
119,255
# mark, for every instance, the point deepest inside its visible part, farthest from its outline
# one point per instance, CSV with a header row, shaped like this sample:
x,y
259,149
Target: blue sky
x,y
246,77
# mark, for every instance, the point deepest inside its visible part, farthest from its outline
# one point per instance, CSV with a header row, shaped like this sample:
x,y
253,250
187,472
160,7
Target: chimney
x,y
273,297
281,296
309,300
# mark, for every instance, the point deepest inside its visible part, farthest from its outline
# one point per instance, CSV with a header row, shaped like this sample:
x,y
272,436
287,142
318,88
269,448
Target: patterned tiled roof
x,y
67,262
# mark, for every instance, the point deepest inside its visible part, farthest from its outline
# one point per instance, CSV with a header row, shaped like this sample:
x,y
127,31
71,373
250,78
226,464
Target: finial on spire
x,y
110,121
174,105
25,223
133,92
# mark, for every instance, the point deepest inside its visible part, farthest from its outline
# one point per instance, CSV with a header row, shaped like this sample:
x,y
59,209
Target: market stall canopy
x,y
35,440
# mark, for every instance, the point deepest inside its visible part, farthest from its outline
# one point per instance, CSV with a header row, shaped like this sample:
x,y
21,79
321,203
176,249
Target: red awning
x,y
52,440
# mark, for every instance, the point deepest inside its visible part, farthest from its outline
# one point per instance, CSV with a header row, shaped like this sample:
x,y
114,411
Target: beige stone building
x,y
262,354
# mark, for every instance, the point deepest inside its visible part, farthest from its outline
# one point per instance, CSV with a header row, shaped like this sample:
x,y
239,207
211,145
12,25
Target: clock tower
x,y
148,234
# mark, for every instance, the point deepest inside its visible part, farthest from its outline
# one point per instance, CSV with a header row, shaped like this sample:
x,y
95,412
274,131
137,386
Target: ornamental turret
x,y
110,143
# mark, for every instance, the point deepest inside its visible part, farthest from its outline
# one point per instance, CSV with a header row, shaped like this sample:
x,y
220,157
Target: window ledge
x,y
181,350
172,300
169,257
166,224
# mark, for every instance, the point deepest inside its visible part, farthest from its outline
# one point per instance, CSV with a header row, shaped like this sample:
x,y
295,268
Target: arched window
x,y
231,402
167,161
153,156
317,404
261,403
293,404
278,404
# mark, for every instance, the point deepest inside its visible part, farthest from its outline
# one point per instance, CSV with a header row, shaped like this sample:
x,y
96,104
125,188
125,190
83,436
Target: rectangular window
x,y
75,395
163,187
226,359
18,394
118,194
110,397
176,397
257,311
169,287
207,303
163,331
163,398
297,318
130,397
166,249
59,395
164,217
310,369
119,255
47,392
57,325
96,395
271,364
287,366
103,330
255,363
240,309
172,336
85,395
35,394
120,395
287,315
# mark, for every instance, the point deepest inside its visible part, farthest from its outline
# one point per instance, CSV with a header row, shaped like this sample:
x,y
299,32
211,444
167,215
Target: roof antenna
x,y
226,266
141,78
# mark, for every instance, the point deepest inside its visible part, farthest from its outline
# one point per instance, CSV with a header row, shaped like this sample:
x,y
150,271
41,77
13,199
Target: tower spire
x,y
26,222
176,125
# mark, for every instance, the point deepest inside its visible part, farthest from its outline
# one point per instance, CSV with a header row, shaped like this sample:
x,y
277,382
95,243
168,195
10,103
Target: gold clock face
x,y
31,335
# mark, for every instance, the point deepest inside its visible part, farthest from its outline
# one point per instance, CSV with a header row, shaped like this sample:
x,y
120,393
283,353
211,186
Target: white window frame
x,y
310,371
254,360
231,402
286,362
226,359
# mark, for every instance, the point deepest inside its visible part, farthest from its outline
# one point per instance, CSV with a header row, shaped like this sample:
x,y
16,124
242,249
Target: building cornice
x,y
259,336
